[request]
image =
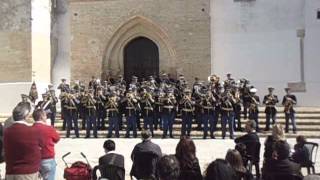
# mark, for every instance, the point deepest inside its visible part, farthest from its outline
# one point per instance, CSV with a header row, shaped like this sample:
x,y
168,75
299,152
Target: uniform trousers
x,y
227,118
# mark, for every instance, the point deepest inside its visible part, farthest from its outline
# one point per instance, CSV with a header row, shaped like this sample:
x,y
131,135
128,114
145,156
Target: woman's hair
x,y
186,152
301,139
168,168
219,170
278,132
235,160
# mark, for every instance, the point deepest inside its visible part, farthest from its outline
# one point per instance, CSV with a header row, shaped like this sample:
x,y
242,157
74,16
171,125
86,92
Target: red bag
x,y
78,171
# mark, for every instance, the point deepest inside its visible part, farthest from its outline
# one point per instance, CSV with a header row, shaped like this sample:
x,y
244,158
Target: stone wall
x,y
15,41
101,28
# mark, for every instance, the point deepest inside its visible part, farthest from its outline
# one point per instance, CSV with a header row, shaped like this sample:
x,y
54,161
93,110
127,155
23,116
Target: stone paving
x,y
207,151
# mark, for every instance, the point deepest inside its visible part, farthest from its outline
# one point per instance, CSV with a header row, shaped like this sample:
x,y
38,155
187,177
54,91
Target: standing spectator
x,y
22,146
145,156
111,165
168,168
189,164
277,135
49,137
235,160
301,153
219,170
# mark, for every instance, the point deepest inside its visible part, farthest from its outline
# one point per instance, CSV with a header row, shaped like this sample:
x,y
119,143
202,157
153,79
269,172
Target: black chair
x,y
253,157
144,166
108,172
313,150
276,176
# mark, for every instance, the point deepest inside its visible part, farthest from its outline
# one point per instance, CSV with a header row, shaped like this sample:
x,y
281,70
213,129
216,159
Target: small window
x,y
318,14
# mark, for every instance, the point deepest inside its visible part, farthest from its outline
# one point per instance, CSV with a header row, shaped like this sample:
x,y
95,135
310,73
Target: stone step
x,y
194,134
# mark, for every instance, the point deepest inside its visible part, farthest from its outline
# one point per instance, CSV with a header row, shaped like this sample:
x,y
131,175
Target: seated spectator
x,y
49,137
22,146
277,135
145,156
280,163
251,135
235,161
168,168
301,153
219,170
111,165
189,164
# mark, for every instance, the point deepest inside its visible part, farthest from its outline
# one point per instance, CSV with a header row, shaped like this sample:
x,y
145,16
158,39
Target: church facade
x,y
270,42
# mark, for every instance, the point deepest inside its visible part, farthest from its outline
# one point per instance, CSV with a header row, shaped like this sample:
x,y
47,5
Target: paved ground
x,y
207,150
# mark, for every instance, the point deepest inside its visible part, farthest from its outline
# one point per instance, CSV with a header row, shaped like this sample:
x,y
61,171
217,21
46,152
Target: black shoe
x,y
171,136
204,137
87,137
164,136
109,136
267,129
213,137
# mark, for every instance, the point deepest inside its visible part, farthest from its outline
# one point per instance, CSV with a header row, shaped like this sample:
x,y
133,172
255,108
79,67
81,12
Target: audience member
x,y
145,155
22,146
251,135
219,170
234,159
277,135
49,137
168,168
189,164
280,163
111,165
301,153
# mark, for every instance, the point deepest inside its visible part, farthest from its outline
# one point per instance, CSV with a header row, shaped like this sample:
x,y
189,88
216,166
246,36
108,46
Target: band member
x,y
237,110
270,100
33,94
147,105
91,113
253,107
227,113
168,112
53,101
245,95
187,111
82,107
64,88
135,87
100,106
112,106
70,112
131,106
93,83
44,104
229,82
158,94
207,105
196,94
289,100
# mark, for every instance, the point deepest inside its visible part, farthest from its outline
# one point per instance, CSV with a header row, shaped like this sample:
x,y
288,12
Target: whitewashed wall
x,y
258,40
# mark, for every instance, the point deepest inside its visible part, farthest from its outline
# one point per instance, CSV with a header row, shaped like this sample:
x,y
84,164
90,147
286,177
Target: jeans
x,y
186,123
113,123
291,116
227,117
209,119
91,124
168,119
148,121
48,169
132,124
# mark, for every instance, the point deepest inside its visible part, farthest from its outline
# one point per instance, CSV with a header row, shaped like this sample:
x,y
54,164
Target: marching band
x,y
159,102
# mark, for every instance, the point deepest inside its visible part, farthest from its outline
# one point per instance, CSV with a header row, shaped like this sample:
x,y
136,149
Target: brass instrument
x,y
253,106
288,104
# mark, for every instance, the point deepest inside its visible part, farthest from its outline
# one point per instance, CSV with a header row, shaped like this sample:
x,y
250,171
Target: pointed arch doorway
x,y
141,58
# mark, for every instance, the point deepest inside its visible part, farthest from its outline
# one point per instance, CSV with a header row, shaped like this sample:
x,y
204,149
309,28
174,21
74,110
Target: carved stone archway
x,y
137,26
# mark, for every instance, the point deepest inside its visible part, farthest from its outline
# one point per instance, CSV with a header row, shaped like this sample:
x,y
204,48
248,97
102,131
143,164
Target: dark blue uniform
x,y
91,118
208,116
270,101
187,111
288,102
168,114
147,104
112,107
71,114
130,109
253,110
